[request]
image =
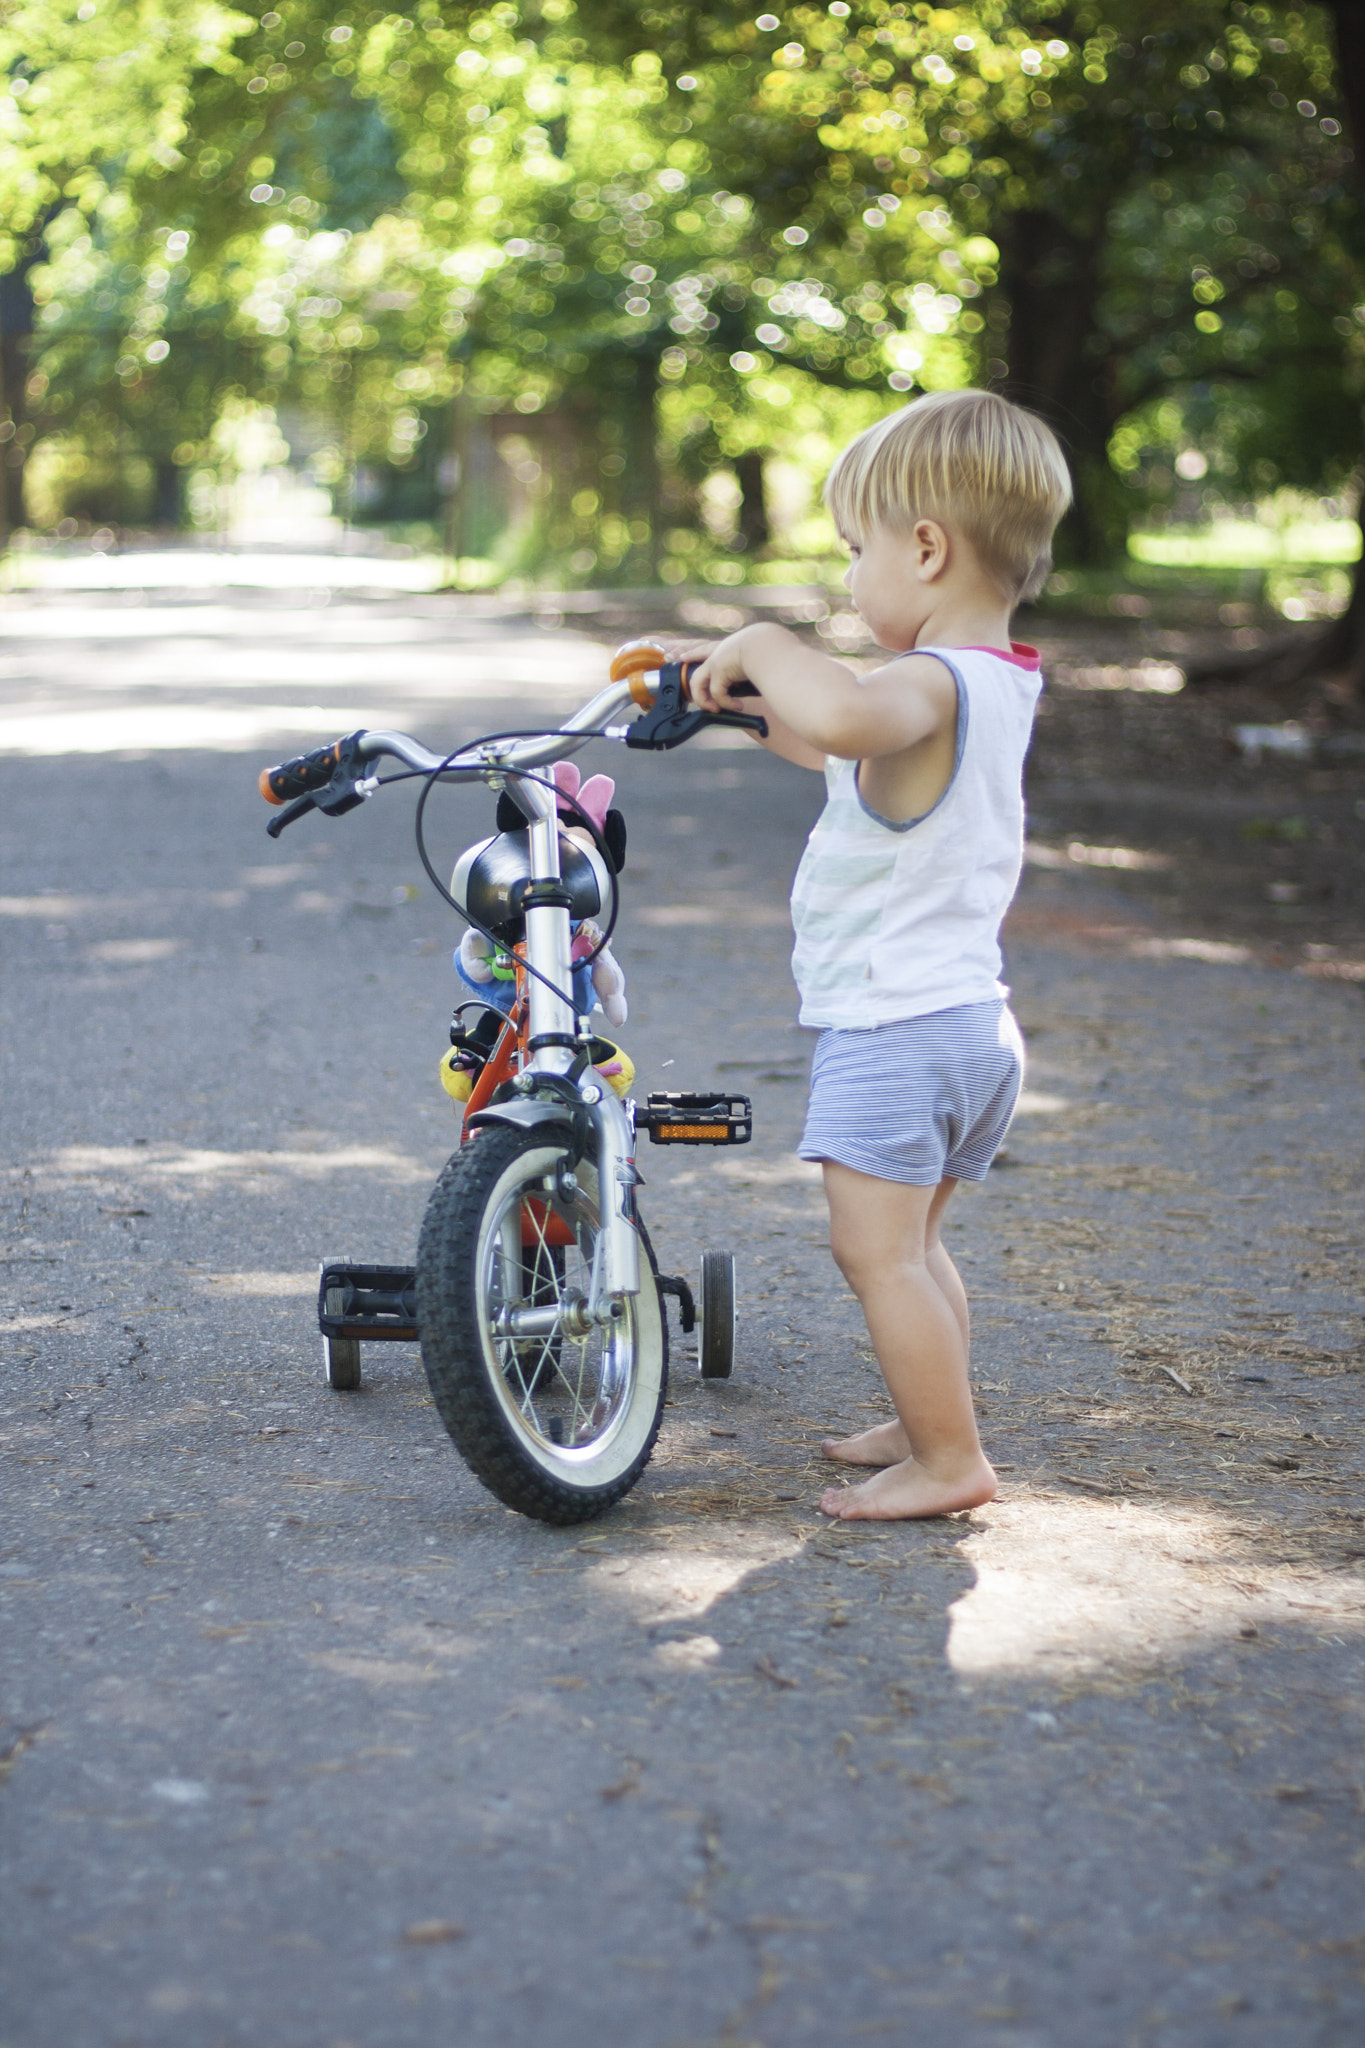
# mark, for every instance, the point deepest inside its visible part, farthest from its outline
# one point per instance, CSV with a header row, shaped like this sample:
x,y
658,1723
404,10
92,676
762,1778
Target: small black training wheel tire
x,y
341,1363
559,1424
716,1315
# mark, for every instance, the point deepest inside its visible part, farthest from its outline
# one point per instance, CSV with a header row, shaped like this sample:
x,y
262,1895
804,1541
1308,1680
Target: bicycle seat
x,y
491,880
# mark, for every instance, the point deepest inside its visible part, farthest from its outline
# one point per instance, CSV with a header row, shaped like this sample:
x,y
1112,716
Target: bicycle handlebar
x,y
331,778
306,772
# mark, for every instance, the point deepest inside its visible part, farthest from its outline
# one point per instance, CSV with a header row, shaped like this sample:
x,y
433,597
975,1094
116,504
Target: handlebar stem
x,y
547,942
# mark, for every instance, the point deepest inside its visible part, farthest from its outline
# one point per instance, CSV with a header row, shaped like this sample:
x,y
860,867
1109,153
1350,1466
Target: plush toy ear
x,y
510,816
614,832
595,797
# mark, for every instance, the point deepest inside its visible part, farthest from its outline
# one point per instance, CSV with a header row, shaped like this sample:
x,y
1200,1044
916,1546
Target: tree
x,y
653,241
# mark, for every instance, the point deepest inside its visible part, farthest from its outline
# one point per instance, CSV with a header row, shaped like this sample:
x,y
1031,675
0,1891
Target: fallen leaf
x,y
10,1756
765,1668
779,1923
426,1933
629,1781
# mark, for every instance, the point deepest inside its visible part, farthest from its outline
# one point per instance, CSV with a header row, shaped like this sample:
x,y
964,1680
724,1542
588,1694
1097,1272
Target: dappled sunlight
x,y
55,906
1213,952
132,952
788,1171
78,677
717,912
1079,1588
1154,678
1035,1102
190,1163
1076,853
262,1283
206,568
157,726
682,1583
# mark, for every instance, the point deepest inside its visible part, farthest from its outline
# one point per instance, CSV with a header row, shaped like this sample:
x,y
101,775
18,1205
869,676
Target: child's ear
x,y
932,549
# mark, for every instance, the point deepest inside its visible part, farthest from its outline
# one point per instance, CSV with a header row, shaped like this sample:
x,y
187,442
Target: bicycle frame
x,y
543,1050
544,1035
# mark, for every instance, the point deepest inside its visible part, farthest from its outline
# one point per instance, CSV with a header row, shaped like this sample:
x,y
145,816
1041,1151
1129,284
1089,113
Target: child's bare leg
x,y
885,1241
887,1443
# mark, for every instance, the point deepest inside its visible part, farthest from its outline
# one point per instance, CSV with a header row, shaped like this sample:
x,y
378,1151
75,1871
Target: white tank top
x,y
899,920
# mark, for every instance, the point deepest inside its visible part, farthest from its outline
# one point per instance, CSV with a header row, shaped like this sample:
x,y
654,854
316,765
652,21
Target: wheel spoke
x,y
561,1399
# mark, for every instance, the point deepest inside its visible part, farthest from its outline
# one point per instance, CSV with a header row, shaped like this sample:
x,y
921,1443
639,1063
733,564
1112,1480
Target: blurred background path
x,y
305,1739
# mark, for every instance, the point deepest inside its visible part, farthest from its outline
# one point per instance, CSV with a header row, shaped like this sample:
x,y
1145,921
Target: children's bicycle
x,y
536,1297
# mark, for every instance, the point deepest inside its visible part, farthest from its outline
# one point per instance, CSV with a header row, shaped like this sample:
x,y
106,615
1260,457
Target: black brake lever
x,y
341,793
672,719
298,809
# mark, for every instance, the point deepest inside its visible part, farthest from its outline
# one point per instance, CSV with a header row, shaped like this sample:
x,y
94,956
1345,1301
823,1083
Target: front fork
x,y
616,1269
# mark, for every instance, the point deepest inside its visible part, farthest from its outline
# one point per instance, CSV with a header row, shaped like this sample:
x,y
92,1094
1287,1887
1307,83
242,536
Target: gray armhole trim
x,y
909,824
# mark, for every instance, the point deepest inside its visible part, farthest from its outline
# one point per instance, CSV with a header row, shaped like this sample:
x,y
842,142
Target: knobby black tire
x,y
477,1390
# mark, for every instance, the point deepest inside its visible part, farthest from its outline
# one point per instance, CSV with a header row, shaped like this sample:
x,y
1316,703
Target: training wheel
x,y
341,1363
716,1314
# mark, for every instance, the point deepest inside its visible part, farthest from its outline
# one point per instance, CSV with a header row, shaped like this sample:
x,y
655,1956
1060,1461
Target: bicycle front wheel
x,y
557,1416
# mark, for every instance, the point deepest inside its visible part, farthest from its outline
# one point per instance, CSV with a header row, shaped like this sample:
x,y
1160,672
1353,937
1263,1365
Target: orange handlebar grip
x,y
632,662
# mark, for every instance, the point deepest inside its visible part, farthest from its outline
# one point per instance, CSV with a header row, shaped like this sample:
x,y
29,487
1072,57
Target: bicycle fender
x,y
524,1116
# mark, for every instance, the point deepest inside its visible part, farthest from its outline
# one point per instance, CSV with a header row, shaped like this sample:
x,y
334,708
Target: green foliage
x,y
588,255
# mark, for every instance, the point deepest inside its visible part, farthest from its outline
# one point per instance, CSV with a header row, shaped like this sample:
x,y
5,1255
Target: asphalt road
x,y
305,1741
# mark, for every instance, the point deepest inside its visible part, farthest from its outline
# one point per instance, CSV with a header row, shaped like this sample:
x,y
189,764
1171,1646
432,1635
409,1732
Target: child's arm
x,y
822,704
780,739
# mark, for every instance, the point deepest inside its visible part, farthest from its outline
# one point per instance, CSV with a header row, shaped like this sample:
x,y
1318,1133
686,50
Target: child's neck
x,y
966,618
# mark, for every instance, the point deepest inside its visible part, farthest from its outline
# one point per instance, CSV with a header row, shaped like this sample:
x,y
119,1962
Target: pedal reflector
x,y
690,1118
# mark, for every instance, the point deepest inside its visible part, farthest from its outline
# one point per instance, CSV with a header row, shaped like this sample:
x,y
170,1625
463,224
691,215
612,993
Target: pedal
x,y
687,1118
377,1304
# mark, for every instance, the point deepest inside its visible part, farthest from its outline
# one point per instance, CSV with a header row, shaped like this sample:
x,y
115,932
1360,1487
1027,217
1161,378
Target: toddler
x,y
948,509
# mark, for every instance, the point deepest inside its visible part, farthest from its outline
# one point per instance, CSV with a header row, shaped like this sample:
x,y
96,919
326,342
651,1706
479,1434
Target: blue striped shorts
x,y
920,1100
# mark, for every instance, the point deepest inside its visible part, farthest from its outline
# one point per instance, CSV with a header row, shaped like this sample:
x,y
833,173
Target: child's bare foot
x,y
906,1491
887,1444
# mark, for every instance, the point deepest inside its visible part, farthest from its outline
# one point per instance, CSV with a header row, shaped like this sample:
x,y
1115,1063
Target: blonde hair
x,y
970,459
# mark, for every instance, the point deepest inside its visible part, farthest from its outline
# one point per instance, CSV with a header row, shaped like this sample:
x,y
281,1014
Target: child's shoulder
x,y
1018,655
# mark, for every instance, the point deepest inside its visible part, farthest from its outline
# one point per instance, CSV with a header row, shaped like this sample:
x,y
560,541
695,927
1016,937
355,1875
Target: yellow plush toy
x,y
616,1068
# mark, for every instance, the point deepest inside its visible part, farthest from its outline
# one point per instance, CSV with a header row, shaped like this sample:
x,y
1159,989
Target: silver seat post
x,y
547,935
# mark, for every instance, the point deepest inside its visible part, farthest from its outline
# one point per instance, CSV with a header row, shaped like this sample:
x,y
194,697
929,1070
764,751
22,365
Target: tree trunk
x,y
753,505
1050,278
16,326
1338,653
168,493
640,482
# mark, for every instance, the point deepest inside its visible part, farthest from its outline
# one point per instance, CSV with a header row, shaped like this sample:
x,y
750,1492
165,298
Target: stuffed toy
x,y
491,973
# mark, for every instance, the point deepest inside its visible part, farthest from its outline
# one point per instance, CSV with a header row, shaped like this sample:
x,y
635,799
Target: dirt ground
x,y
304,1739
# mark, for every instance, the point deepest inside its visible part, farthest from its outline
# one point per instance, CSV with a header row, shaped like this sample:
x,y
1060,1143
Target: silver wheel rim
x,y
568,1393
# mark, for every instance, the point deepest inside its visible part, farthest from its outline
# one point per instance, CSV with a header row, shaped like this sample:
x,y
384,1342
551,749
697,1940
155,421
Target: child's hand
x,y
706,685
709,686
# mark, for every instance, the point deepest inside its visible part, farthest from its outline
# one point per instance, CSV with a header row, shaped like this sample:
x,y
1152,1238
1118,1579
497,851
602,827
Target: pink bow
x,y
594,796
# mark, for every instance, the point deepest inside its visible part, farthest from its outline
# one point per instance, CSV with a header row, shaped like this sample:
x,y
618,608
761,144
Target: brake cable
x,y
434,775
